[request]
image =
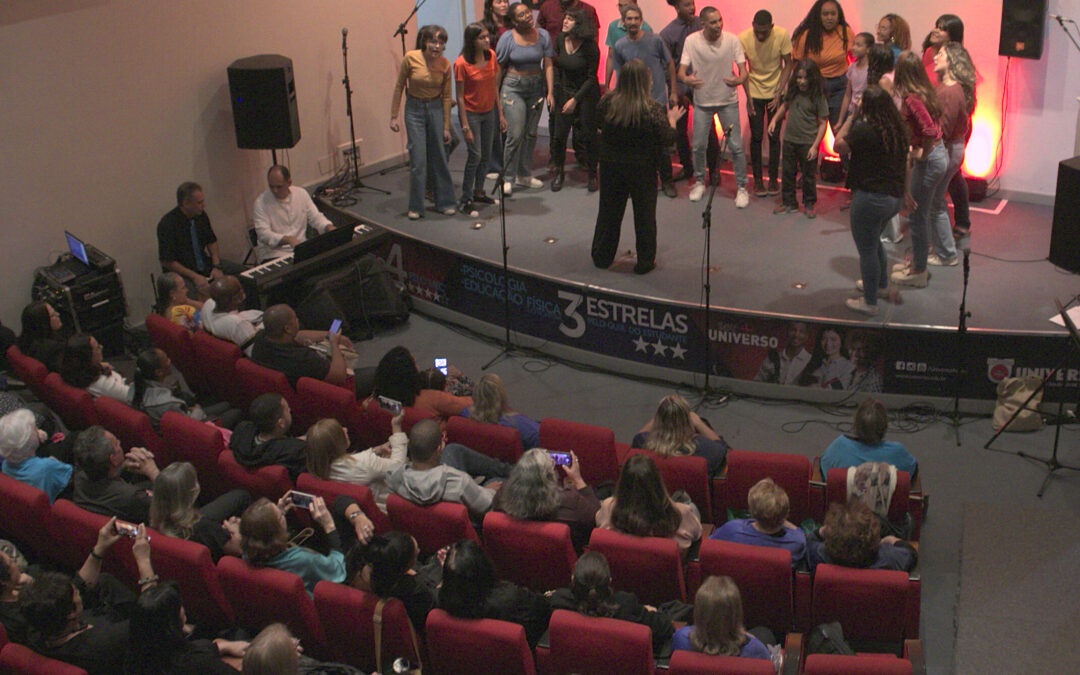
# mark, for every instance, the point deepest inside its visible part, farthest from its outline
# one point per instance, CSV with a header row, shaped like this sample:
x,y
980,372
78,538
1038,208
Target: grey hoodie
x,y
440,484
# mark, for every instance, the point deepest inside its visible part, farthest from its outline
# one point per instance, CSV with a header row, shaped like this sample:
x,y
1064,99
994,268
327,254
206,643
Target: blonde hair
x,y
326,441
628,103
718,618
769,504
672,432
962,70
172,509
272,652
489,399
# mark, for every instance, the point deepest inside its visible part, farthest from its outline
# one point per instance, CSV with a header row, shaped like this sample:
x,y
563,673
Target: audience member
x,y
173,302
83,620
42,336
718,624
676,430
12,582
262,439
284,347
784,366
388,568
807,111
328,457
491,404
222,317
274,651
264,539
437,472
436,396
187,244
216,525
396,377
99,486
19,439
852,537
537,490
470,591
152,394
768,523
825,37
868,443
642,507
81,367
158,644
768,50
282,215
590,593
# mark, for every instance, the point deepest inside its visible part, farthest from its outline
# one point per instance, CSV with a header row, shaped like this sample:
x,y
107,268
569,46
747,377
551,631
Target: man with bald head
x,y
221,315
282,215
283,346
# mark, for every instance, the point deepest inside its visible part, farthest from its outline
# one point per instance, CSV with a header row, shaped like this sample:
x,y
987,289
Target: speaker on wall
x,y
263,96
1065,236
1022,26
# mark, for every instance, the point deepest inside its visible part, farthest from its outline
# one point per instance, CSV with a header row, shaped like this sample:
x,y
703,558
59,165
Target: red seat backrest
x,y
269,481
19,660
537,555
493,440
26,515
189,563
192,441
869,604
347,615
28,369
583,644
132,427
256,380
217,359
836,664
763,575
74,406
695,663
323,399
175,340
434,526
329,490
791,472
836,491
649,567
75,531
595,447
469,646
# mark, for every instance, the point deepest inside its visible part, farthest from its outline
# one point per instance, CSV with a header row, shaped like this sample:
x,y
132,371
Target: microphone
x,y
967,260
728,130
344,32
1060,19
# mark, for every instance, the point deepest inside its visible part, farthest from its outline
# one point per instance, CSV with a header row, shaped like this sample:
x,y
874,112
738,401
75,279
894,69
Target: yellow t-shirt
x,y
183,315
766,60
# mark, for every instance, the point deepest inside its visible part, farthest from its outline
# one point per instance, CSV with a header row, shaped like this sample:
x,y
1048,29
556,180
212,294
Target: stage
x,y
766,272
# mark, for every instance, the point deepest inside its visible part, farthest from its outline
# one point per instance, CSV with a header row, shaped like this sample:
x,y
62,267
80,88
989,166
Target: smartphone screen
x,y
301,499
440,364
335,327
560,458
126,529
390,405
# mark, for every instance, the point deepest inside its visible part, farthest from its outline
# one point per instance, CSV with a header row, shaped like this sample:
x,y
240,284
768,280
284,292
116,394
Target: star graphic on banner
x,y
640,345
659,348
677,352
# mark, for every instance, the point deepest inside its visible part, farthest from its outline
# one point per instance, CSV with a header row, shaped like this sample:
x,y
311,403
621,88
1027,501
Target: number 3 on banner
x,y
577,328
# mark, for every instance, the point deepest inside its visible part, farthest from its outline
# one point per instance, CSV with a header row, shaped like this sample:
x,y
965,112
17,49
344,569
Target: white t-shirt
x,y
712,62
275,219
236,327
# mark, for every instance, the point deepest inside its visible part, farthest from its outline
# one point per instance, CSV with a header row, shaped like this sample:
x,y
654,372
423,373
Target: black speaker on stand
x,y
1065,236
1022,24
263,96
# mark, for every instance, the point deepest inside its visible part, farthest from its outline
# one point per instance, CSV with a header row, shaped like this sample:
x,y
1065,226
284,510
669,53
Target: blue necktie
x,y
195,245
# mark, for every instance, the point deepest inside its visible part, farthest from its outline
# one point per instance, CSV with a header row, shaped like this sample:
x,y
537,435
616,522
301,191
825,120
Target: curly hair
x,y
531,493
642,505
852,534
901,31
962,70
261,534
396,376
672,433
814,31
718,618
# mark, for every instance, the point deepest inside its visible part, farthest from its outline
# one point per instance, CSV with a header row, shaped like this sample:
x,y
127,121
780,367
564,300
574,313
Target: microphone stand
x,y
706,224
961,340
508,347
403,31
1061,22
357,184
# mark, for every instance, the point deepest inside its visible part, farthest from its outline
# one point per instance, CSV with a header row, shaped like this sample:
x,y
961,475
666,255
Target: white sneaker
x,y
529,182
508,188
859,305
881,292
742,198
492,176
697,192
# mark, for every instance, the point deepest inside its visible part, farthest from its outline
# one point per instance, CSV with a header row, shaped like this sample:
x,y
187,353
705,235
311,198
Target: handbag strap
x,y
377,624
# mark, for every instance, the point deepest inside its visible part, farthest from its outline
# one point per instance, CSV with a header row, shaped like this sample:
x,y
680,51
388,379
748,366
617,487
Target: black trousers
x,y
757,134
618,182
795,161
584,123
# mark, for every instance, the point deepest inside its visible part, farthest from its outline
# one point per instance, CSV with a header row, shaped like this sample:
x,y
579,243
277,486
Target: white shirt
x,y
711,61
275,219
236,327
367,468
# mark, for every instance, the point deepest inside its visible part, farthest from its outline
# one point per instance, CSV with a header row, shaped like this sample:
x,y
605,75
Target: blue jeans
x,y
523,101
703,122
834,94
928,181
483,126
870,213
457,456
940,227
424,128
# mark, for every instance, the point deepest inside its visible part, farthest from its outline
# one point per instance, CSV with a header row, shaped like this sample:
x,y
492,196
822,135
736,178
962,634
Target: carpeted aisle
x,y
1019,602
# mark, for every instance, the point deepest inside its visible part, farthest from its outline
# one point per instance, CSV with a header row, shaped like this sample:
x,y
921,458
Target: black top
x,y
174,239
13,621
872,168
294,360
100,649
638,144
288,452
212,535
112,497
195,657
626,608
510,602
575,74
418,593
46,350
714,452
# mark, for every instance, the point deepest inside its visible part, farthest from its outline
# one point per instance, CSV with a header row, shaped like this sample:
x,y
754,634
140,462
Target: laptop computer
x,y
79,263
321,244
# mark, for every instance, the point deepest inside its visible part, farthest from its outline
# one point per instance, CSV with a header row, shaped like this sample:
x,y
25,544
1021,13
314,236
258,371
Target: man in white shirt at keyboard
x,y
282,215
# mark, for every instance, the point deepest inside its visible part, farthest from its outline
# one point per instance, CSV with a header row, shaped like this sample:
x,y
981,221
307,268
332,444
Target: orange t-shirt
x,y
479,82
833,58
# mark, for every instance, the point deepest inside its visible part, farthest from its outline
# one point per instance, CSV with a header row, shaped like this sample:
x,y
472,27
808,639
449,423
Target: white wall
x,y
109,104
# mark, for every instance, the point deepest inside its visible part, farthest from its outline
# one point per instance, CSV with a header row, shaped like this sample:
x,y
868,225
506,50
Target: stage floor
x,y
780,265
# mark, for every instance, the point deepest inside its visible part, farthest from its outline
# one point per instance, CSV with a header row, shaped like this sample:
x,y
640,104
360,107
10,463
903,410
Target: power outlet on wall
x,y
345,151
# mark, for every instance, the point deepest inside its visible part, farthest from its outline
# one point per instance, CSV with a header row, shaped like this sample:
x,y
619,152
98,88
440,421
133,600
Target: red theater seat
x,y
763,575
18,660
791,472
26,515
74,406
329,490
594,446
131,427
695,663
347,615
188,440
537,555
433,526
871,605
270,481
685,473
649,567
493,440
256,380
470,646
189,563
217,361
28,369
175,340
75,531
591,646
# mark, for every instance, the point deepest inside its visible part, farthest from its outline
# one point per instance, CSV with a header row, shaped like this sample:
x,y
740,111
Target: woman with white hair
x,y
538,489
19,440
